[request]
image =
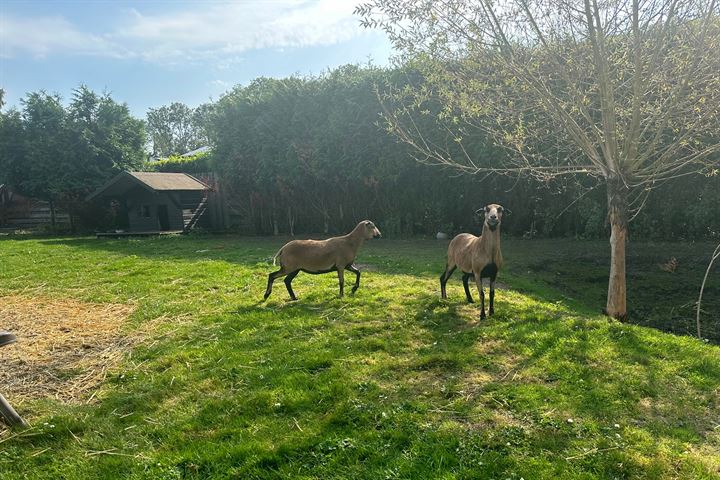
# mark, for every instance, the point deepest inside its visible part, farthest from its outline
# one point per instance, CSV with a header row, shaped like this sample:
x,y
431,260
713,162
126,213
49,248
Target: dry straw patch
x,y
65,347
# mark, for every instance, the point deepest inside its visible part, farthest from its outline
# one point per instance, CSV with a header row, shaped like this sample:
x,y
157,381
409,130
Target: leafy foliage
x,y
199,163
59,153
176,128
312,154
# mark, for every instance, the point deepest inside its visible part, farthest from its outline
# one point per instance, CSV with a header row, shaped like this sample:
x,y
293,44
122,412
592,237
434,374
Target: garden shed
x,y
153,203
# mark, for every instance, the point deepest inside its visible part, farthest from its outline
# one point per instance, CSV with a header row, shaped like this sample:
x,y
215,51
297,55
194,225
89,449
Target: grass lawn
x,y
390,383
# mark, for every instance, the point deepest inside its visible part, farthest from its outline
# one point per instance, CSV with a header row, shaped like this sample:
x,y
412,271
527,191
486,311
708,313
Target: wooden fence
x,y
22,213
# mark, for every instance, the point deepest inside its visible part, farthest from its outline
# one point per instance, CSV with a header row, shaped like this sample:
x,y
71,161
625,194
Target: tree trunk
x,y
52,215
291,221
618,216
72,221
273,219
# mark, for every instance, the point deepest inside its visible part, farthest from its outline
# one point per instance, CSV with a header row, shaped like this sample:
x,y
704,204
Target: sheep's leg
x,y
491,311
271,279
355,270
466,277
444,278
288,284
478,282
341,280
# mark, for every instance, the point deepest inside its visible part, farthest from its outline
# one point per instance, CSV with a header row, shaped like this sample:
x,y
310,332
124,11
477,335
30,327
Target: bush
x,y
199,163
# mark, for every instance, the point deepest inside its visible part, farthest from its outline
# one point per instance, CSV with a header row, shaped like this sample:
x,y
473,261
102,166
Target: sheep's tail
x,y
277,255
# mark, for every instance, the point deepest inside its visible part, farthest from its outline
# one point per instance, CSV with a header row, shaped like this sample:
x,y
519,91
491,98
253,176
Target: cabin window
x,y
144,211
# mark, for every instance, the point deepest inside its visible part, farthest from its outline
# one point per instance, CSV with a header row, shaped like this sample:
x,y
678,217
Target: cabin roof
x,y
169,181
152,181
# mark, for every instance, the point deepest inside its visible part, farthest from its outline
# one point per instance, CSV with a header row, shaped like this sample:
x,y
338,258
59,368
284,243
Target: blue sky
x,y
151,53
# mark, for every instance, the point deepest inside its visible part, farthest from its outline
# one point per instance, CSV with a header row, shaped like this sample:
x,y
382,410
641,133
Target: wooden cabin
x,y
155,203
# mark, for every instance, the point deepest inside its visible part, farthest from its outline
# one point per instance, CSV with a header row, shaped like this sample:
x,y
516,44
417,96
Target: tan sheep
x,y
477,257
322,256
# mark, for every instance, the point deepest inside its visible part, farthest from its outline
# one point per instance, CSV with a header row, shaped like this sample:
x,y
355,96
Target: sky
x,y
151,53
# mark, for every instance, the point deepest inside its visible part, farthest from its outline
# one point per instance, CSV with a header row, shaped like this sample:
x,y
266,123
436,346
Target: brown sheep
x,y
322,256
477,257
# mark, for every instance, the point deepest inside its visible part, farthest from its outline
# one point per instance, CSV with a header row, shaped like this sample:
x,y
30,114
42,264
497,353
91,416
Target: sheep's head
x,y
493,215
371,231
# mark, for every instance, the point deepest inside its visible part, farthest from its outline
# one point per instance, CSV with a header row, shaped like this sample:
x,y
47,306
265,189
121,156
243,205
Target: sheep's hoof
x,y
491,312
482,316
266,296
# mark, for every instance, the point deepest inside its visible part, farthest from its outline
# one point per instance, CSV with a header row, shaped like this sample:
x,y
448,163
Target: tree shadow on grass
x,y
193,248
235,401
566,277
286,400
593,370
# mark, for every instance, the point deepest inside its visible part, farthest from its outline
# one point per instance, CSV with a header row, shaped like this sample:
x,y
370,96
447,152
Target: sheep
x,y
322,256
477,257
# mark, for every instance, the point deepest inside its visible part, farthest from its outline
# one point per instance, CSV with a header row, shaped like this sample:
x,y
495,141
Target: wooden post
x,y
52,215
10,415
6,411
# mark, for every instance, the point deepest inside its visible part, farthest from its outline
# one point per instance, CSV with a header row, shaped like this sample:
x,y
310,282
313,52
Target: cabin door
x,y
163,217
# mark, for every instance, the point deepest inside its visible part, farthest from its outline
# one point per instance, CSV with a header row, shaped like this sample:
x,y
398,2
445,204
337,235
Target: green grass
x,y
390,383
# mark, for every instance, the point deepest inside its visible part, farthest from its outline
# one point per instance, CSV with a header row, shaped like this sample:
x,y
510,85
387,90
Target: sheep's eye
x,y
500,209
487,209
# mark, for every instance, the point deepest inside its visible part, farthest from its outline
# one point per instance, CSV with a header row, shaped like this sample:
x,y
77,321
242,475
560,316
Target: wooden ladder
x,y
202,206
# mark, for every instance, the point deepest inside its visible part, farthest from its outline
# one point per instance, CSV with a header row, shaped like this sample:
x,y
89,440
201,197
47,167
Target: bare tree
x,y
627,91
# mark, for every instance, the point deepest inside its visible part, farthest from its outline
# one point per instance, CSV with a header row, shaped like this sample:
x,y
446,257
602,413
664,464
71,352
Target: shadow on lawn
x,y
575,273
376,255
555,338
217,413
549,270
193,248
598,372
387,258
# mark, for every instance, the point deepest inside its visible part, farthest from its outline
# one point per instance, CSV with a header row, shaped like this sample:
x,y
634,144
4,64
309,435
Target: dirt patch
x,y
64,349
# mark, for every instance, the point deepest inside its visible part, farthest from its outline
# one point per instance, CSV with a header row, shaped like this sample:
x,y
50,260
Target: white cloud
x,y
209,32
41,37
222,84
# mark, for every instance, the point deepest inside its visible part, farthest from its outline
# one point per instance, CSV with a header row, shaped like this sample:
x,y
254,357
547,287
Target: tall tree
x,y
176,128
60,153
46,165
623,90
106,138
12,145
